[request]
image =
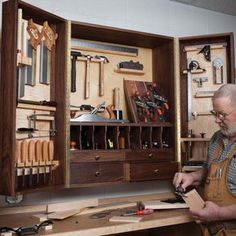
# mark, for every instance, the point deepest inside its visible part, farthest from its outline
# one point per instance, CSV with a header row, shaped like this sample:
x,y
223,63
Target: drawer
x,y
96,156
82,173
150,171
149,155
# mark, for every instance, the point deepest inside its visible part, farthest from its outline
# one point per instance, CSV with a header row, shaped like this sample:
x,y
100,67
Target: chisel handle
x,y
31,156
87,79
101,79
51,150
73,74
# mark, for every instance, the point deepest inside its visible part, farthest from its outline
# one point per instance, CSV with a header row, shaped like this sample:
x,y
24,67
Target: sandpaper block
x,y
194,200
131,219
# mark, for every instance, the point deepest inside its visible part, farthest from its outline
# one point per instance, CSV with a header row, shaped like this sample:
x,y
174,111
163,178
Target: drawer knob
x,y
150,155
97,158
97,173
156,171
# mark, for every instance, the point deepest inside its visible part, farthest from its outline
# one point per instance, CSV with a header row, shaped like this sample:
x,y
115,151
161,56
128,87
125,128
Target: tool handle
x,y
87,79
109,109
101,79
45,150
18,151
31,156
145,212
38,149
51,150
24,151
116,99
73,74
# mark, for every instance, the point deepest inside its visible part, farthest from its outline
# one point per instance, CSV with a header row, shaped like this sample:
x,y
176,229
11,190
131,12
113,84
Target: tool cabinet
x,y
87,153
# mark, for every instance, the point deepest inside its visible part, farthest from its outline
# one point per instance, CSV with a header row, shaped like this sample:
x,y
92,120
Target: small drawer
x,y
81,173
96,156
150,171
149,155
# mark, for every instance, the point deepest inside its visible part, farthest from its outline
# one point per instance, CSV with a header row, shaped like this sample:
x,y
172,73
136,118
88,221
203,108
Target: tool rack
x,y
197,122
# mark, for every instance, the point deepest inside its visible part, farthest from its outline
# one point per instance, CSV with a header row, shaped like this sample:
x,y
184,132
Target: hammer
x,y
74,56
103,60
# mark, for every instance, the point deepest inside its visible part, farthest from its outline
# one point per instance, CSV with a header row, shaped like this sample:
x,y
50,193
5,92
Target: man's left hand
x,y
210,212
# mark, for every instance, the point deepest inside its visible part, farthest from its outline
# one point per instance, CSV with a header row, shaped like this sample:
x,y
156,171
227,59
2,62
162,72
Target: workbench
x,y
84,225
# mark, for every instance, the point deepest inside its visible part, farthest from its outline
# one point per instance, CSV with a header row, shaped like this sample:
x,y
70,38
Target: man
x,y
219,173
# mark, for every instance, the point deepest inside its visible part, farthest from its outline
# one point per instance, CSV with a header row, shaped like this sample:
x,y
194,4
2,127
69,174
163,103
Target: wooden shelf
x,y
195,139
129,71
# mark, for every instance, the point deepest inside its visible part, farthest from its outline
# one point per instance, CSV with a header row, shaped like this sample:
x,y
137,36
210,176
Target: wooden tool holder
x,y
145,102
40,93
211,69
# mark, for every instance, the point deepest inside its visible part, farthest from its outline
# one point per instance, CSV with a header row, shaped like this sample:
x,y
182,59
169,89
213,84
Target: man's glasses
x,y
221,115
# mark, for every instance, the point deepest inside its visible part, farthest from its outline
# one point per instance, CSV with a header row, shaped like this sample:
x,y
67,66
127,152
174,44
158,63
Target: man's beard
x,y
228,130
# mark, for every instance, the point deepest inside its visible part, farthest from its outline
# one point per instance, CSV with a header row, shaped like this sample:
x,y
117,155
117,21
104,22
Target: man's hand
x,y
194,178
210,212
182,179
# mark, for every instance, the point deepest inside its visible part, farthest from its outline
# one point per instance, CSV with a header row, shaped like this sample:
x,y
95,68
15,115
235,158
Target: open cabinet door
x,y
206,63
32,99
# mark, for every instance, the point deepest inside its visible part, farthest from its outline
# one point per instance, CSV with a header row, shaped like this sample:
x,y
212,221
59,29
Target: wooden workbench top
x,y
83,225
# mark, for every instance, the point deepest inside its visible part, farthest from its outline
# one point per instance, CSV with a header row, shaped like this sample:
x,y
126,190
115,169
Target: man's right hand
x,y
182,179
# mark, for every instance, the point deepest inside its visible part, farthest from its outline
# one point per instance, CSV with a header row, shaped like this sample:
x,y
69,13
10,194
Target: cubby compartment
x,y
112,137
75,137
87,137
156,137
146,142
100,137
166,137
135,137
124,137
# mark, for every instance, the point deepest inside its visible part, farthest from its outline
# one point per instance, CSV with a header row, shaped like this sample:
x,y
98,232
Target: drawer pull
x,y
156,171
97,173
150,155
97,158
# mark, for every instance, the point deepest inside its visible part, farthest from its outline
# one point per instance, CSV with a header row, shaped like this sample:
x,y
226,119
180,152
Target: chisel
x,y
44,160
31,158
24,157
38,149
17,159
50,158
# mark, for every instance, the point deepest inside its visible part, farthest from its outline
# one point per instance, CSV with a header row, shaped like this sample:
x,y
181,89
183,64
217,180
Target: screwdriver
x,y
139,212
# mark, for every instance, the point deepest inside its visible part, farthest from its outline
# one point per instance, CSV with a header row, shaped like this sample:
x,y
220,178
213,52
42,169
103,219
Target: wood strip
x,y
157,205
35,107
131,219
136,198
107,207
105,51
61,215
74,205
